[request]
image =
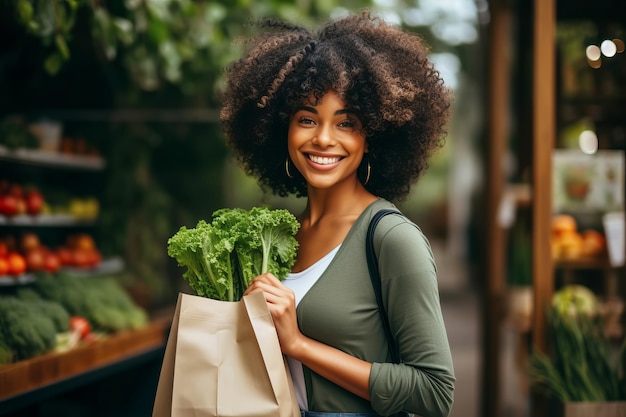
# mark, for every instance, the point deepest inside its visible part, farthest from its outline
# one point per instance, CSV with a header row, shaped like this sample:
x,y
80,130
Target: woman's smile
x,y
326,161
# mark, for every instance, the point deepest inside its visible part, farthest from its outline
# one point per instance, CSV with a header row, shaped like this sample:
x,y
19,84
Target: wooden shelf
x,y
582,263
22,380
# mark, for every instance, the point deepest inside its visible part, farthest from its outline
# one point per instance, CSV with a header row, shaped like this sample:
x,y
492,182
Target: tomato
x,y
81,258
51,262
17,263
65,256
84,241
80,325
4,249
92,258
29,241
34,202
4,267
9,205
35,260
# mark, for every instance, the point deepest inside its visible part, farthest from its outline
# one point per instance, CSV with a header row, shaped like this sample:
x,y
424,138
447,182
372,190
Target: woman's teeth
x,y
324,160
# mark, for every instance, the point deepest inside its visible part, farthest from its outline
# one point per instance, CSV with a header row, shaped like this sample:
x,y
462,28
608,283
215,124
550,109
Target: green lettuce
x,y
223,256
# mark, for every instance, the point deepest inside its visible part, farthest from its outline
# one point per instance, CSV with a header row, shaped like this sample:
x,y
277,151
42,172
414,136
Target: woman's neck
x,y
336,203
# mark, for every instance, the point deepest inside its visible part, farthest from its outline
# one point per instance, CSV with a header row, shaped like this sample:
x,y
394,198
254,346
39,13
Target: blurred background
x,y
110,141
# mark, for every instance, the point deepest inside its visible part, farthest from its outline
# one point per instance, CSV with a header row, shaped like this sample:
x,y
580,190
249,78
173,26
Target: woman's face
x,y
326,142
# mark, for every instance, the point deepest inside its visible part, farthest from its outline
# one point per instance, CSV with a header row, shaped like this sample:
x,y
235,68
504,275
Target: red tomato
x,y
4,267
29,241
93,257
65,255
51,262
34,202
9,205
17,263
81,258
35,260
84,242
80,325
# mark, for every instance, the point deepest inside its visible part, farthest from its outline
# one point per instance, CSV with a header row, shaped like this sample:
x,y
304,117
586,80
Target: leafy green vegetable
x,y
582,365
101,300
206,252
223,256
575,300
52,309
24,329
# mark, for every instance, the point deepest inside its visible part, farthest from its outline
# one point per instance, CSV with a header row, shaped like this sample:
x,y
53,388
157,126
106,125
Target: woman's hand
x,y
333,364
282,305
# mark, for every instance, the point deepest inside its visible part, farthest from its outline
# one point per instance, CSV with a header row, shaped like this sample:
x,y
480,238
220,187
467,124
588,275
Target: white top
x,y
301,283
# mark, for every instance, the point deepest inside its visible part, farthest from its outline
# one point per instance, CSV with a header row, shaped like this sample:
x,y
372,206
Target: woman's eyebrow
x,y
314,110
307,108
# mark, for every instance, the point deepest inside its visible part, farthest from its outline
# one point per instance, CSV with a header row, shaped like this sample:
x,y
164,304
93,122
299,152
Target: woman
x,y
347,117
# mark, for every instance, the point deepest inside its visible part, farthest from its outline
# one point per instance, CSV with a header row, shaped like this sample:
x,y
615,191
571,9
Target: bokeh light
x,y
608,48
588,142
593,53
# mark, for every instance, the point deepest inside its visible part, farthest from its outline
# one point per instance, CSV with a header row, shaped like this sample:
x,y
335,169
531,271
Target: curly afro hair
x,y
382,72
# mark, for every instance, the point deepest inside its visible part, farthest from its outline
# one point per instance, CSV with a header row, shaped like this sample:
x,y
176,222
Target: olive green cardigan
x,y
340,310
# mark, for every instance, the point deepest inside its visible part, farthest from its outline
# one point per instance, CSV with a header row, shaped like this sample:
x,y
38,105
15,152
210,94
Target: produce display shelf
x,y
107,266
111,266
41,158
26,382
52,220
9,281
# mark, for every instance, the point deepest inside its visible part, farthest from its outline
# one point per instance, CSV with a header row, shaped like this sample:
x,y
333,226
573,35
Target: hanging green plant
x,y
52,21
157,43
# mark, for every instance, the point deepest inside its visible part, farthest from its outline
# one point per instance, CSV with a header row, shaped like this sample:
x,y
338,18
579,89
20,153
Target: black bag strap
x,y
372,264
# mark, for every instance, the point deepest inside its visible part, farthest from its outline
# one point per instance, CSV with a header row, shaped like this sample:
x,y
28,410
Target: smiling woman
x,y
348,119
384,75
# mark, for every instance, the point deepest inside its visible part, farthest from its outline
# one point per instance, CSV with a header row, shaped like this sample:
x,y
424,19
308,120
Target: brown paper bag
x,y
223,359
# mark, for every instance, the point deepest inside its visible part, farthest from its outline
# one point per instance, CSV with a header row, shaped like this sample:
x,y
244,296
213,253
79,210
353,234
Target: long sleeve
x,y
424,382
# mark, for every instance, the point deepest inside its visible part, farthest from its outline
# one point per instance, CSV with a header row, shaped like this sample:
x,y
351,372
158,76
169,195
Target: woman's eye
x,y
305,121
348,123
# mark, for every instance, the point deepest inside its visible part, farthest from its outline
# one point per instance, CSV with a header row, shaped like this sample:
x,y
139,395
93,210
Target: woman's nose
x,y
324,137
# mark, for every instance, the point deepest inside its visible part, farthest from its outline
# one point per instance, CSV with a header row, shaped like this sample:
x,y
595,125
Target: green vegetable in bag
x,y
223,256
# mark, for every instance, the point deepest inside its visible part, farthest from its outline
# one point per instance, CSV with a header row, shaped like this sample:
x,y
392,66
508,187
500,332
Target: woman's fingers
x,y
281,303
275,292
264,282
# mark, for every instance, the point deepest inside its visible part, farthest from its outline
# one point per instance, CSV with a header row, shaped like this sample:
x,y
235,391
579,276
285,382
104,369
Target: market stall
x,y
557,110
66,319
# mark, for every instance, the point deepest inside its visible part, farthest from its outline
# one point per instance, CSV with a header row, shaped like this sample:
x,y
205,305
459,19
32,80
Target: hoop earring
x,y
369,171
287,168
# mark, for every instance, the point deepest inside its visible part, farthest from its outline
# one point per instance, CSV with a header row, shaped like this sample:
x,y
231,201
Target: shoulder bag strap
x,y
372,264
